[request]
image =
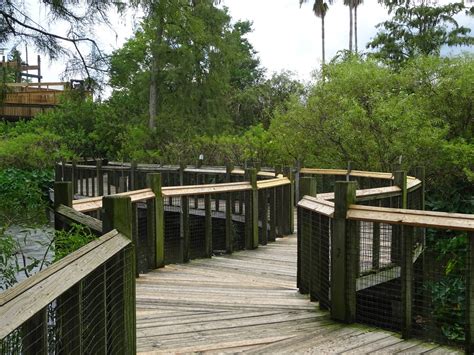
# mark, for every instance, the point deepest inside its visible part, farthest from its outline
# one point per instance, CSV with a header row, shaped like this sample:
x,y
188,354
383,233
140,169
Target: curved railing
x,y
374,255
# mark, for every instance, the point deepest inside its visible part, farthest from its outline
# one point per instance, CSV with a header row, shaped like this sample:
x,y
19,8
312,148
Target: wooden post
x,y
122,184
229,208
69,310
118,215
420,175
57,172
74,177
273,214
304,254
156,222
263,215
400,180
133,176
251,212
307,186
290,202
315,257
406,278
182,177
184,229
469,345
297,181
100,178
62,196
341,300
208,225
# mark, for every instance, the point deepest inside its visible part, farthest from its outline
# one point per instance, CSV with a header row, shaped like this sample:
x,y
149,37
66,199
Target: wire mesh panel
x,y
91,316
173,242
439,294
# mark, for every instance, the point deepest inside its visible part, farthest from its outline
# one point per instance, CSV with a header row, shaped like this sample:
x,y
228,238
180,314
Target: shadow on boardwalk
x,y
247,302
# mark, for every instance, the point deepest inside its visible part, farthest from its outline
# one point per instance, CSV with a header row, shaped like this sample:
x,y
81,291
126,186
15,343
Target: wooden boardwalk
x,y
248,302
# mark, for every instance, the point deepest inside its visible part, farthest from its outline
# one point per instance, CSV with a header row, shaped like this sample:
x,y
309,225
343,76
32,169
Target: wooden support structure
x,y
118,215
406,278
342,300
156,222
469,344
251,211
229,209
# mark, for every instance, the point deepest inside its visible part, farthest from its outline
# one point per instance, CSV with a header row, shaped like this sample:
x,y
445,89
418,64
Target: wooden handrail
x,y
95,203
416,218
29,297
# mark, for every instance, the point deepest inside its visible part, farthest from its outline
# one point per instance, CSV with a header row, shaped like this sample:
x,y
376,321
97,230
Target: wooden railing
x,y
373,255
178,223
83,303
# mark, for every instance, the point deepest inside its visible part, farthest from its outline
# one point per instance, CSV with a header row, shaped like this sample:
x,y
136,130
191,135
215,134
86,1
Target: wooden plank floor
x,y
248,302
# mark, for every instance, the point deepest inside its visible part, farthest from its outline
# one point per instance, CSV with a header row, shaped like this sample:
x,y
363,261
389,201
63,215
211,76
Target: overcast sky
x,y
286,36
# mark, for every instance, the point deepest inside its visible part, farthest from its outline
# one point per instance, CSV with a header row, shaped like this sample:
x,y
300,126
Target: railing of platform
x,y
372,256
85,302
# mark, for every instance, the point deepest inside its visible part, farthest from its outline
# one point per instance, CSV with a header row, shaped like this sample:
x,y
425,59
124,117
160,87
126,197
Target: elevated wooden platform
x,y
248,302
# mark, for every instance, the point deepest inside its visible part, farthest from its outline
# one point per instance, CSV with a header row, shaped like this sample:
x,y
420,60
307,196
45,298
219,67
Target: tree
x,y
320,9
194,70
356,5
418,30
77,43
350,4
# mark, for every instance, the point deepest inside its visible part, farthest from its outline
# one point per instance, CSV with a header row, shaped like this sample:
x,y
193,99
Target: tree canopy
x,y
418,29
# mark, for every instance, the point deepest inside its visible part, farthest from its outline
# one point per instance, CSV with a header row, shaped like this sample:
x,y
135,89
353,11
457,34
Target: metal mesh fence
x,y
89,317
439,287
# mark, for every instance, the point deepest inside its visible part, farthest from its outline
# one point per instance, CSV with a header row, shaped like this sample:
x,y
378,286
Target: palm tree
x,y
320,8
356,4
350,3
353,4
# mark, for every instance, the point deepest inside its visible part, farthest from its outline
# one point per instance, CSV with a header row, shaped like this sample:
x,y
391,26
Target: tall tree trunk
x,y
350,27
355,27
153,98
323,37
155,67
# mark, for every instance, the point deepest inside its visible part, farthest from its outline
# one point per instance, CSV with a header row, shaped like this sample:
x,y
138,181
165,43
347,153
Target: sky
x,y
285,36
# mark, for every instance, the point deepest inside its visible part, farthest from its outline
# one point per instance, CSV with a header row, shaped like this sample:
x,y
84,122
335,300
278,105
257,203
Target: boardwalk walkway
x,y
248,302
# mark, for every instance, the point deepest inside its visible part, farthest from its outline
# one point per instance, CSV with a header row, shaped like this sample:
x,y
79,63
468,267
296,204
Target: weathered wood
x,y
317,205
64,213
208,226
406,279
344,197
469,344
118,215
133,183
251,211
100,178
63,195
305,252
273,215
263,215
307,186
184,229
156,221
426,219
35,293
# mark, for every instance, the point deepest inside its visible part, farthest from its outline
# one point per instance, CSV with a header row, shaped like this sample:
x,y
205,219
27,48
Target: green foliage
x,y
22,196
418,30
197,60
255,144
448,293
8,263
66,242
31,150
371,115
